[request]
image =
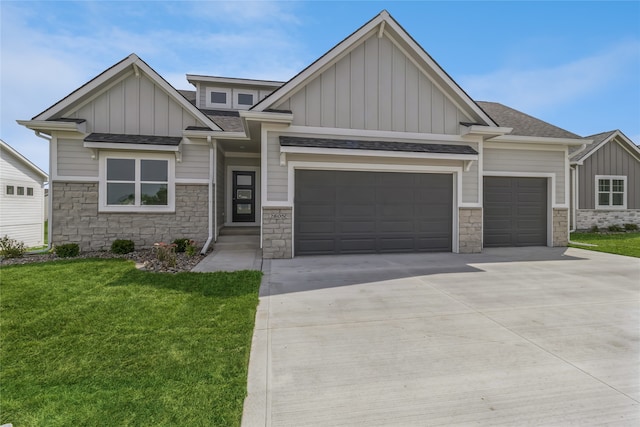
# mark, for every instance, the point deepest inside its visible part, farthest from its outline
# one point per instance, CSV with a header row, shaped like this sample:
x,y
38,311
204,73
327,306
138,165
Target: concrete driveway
x,y
517,336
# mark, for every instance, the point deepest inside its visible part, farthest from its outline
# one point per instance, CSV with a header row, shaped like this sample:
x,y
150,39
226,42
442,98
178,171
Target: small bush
x,y
594,229
166,254
181,244
67,250
631,227
615,228
122,247
11,248
191,249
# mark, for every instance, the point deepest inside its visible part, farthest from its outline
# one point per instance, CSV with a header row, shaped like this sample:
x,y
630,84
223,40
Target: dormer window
x,y
218,97
245,99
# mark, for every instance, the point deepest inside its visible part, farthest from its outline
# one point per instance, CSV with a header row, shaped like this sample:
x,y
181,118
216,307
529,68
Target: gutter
x,y
211,203
50,199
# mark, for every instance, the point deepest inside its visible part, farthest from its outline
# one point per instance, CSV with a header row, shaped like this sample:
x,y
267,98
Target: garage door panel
x,y
515,211
372,212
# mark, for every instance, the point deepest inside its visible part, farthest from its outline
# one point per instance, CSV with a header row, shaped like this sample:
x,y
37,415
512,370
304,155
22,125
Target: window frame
x,y
210,104
30,191
20,190
12,192
597,192
236,98
137,206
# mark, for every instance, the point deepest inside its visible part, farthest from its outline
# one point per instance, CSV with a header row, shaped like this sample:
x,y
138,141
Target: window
x,y
245,99
217,97
141,183
611,192
10,190
29,191
20,191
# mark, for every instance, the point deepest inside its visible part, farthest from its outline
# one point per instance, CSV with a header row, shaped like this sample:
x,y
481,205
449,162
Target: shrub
x,y
181,244
11,248
67,250
631,227
191,248
594,229
166,253
615,228
121,246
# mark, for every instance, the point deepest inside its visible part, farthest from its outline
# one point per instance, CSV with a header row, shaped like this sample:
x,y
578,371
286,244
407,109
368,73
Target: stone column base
x,y
560,227
470,230
277,232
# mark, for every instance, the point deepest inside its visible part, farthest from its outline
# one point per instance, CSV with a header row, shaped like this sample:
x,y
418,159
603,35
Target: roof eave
x,y
486,132
266,116
540,140
48,126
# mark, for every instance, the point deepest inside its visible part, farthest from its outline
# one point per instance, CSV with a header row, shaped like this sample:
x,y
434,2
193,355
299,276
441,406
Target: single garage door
x,y
344,212
515,211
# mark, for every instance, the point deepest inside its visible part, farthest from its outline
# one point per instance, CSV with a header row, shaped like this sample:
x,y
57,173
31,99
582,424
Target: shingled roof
x,y
290,141
523,124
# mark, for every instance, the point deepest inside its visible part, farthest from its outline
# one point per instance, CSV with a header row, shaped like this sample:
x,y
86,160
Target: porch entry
x,y
243,196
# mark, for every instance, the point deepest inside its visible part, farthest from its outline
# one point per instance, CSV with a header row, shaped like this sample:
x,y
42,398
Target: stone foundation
x,y
277,232
470,230
560,226
587,218
76,218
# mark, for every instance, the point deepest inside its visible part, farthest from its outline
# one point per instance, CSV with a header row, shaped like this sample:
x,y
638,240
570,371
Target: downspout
x,y
50,198
211,202
573,200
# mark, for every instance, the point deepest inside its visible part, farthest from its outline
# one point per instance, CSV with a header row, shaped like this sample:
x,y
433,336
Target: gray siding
x,y
470,184
276,174
243,161
220,188
135,106
195,162
533,161
610,159
375,87
75,160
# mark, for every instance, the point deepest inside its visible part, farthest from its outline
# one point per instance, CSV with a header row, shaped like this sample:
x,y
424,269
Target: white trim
x,y
69,178
377,153
131,146
611,137
236,96
567,180
102,183
530,145
453,170
24,160
257,197
225,90
340,133
232,80
610,207
52,125
517,139
191,181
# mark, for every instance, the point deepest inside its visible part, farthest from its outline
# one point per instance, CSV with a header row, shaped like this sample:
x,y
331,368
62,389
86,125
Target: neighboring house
x,y
605,182
371,148
21,197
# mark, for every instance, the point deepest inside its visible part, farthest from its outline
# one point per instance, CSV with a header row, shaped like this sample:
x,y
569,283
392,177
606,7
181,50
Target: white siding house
x,y
21,197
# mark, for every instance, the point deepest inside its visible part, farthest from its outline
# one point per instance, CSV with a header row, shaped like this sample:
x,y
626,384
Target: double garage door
x,y
341,212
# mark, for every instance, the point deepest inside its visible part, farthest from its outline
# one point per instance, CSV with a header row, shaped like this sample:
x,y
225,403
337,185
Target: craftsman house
x,y
371,148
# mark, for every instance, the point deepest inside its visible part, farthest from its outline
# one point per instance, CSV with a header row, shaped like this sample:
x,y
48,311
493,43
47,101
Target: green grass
x,y
97,342
620,244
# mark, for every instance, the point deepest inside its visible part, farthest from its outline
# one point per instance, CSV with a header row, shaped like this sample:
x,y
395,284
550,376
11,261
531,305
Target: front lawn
x,y
614,243
97,342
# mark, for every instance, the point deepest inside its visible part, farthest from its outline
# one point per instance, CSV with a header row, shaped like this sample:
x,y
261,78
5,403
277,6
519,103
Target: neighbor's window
x,y
20,191
10,190
611,192
29,191
137,184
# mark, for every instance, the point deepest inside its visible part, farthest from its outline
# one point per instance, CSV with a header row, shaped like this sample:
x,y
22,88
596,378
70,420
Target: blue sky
x,y
575,64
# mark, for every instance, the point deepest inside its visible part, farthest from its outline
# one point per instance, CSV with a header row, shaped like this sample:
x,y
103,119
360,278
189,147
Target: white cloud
x,y
533,90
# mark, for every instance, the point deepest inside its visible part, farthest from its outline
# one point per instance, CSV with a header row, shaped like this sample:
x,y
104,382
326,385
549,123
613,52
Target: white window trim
x,y
102,187
596,193
236,95
210,104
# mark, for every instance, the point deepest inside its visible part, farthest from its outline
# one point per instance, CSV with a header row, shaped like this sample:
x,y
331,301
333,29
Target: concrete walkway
x,y
232,253
518,336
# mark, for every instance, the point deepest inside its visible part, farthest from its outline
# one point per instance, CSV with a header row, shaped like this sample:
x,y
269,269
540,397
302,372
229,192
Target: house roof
x,y
134,139
227,120
600,139
523,124
24,160
383,23
289,141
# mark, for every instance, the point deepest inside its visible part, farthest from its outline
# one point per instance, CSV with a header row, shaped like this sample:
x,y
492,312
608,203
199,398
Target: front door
x,y
244,196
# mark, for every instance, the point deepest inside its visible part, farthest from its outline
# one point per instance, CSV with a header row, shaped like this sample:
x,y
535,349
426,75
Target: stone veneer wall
x,y
587,218
560,226
76,218
470,230
276,232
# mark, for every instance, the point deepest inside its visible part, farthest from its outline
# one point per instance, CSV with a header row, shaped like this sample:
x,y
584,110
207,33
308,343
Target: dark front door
x,y
244,196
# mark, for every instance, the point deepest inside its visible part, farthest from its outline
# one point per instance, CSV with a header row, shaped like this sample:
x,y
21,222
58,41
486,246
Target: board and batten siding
x,y
221,188
375,87
529,161
135,106
610,159
21,217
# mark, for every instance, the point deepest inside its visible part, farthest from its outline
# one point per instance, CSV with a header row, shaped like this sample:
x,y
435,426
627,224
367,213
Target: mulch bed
x,y
145,259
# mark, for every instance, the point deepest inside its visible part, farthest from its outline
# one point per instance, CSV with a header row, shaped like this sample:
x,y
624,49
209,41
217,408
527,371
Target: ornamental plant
x,y
11,248
166,253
